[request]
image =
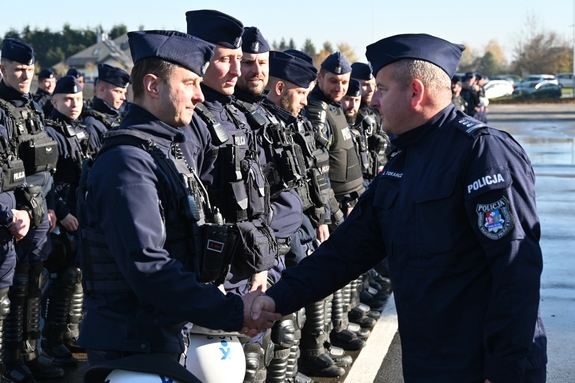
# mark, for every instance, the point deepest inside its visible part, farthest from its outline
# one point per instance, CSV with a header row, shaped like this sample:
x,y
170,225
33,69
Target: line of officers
x,y
282,151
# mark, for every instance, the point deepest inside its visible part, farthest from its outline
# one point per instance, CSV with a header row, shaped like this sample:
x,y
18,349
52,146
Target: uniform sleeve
x,y
500,202
130,203
353,248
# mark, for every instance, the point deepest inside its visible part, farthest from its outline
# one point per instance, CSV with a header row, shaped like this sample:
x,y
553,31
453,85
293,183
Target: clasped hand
x,y
259,313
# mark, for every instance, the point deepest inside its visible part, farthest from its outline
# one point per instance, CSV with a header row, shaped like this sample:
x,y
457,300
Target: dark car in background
x,y
538,87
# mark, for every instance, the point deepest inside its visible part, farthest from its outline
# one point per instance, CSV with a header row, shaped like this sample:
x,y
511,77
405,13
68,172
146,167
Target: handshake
x,y
259,313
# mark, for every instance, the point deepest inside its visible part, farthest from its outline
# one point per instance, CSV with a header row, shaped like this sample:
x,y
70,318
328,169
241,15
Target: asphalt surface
x,y
547,132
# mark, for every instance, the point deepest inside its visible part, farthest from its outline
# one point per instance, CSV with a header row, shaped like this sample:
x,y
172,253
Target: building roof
x,y
104,51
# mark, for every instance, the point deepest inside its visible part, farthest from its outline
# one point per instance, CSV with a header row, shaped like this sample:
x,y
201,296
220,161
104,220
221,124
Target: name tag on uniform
x,y
346,134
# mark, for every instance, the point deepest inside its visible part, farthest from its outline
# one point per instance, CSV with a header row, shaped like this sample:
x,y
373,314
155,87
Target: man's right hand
x,y
260,319
20,224
70,223
322,233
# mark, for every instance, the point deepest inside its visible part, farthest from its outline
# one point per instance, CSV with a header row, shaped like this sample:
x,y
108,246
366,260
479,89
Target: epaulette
x,y
469,125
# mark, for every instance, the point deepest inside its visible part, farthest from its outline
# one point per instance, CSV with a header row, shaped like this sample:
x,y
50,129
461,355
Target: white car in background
x,y
565,79
498,88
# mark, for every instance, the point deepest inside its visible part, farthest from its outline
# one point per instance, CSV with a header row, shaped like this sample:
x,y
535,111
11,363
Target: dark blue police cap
x,y
336,63
456,79
302,55
46,73
74,72
113,75
176,47
354,88
17,50
361,71
215,27
292,69
67,84
424,47
253,41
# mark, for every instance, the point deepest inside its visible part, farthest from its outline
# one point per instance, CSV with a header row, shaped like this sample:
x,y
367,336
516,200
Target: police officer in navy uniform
x,y
46,84
369,117
109,96
23,121
454,212
63,298
325,112
77,74
136,209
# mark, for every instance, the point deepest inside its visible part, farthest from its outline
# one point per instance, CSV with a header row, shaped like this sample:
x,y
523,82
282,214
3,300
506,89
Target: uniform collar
x,y
102,106
212,95
140,119
42,92
242,95
416,135
57,116
13,96
318,94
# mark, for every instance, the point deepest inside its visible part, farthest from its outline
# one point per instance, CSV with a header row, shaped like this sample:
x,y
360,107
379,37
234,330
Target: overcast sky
x,y
334,21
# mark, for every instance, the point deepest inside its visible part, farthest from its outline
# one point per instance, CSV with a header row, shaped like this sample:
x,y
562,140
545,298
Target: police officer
x,y
378,141
77,74
325,113
290,83
46,84
109,96
63,298
22,119
456,98
455,211
140,263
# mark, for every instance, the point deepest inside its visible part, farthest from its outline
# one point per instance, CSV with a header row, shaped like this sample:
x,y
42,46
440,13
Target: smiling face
x,y
47,84
334,86
224,69
17,75
255,73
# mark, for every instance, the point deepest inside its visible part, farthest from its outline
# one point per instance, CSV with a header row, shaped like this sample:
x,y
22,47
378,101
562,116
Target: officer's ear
x,y
152,85
418,90
279,87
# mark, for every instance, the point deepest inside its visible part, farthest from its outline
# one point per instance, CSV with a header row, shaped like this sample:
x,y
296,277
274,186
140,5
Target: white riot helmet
x,y
216,358
140,368
122,376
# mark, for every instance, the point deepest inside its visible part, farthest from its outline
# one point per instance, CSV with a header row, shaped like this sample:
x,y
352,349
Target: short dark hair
x,y
152,65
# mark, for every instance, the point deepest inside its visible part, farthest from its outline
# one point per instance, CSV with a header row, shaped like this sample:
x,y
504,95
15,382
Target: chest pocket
x,y
437,218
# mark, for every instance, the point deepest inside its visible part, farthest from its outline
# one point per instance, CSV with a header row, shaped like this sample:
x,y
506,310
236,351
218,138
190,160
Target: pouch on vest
x,y
255,187
258,247
319,192
13,174
39,153
219,243
31,197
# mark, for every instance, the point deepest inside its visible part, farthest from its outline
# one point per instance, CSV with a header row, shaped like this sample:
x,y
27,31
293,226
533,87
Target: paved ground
x,y
548,134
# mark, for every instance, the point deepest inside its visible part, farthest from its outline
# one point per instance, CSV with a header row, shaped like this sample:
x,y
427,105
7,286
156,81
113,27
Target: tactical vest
x,y
28,139
344,168
79,148
206,250
286,166
243,193
103,118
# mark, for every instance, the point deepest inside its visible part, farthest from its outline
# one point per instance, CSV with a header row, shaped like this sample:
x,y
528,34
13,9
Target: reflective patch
x,y
494,219
216,246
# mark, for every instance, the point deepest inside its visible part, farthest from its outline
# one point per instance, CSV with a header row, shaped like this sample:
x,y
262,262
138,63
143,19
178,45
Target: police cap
x,y
17,50
253,41
424,47
74,72
354,88
176,47
113,75
292,69
67,85
299,54
336,63
361,71
46,73
215,27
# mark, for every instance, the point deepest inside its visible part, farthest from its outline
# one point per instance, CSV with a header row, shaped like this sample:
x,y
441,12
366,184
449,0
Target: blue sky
x,y
357,23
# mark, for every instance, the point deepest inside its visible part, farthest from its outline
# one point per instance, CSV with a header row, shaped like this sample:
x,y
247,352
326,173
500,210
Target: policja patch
x,y
494,219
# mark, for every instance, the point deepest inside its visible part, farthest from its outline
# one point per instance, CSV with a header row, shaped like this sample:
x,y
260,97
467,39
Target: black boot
x,y
16,370
75,319
58,300
40,365
313,358
340,336
4,310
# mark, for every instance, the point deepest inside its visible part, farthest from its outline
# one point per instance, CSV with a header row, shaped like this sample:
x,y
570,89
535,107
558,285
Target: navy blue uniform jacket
x,y
128,199
454,212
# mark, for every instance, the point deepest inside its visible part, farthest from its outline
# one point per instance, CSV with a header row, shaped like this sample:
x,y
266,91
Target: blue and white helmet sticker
x,y
494,219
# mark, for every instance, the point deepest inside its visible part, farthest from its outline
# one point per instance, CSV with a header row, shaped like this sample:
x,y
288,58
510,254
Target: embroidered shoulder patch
x,y
469,124
494,219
